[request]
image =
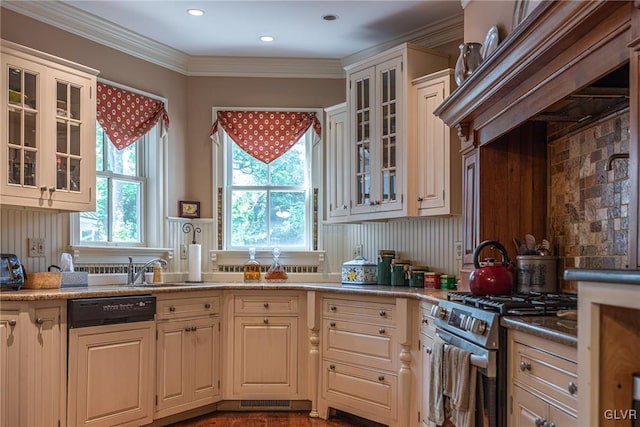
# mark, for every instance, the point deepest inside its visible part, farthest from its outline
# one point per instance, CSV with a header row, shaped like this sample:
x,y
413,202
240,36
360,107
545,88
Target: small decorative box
x,y
359,272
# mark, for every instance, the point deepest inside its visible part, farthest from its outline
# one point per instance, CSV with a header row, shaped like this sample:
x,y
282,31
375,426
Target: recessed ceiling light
x,y
195,12
330,17
267,39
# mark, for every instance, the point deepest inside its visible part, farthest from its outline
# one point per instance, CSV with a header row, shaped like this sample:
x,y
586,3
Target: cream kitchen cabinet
x,y
33,363
543,382
366,360
187,352
267,346
48,115
111,374
437,148
427,335
382,134
338,163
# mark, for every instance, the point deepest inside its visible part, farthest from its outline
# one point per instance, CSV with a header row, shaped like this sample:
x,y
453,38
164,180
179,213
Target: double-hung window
x,y
268,205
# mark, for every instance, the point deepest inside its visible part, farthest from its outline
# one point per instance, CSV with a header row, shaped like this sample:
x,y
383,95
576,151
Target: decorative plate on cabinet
x,y
490,42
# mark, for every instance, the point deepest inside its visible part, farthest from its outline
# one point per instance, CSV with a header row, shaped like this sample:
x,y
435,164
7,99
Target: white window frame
x,y
220,166
153,210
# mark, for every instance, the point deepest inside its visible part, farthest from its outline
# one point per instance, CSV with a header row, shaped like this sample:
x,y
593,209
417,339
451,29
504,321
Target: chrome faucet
x,y
132,275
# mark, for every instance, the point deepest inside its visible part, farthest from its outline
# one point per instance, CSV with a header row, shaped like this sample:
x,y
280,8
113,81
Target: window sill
x,y
302,261
117,254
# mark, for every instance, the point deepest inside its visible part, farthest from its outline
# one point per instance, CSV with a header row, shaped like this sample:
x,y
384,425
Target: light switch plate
x,y
36,247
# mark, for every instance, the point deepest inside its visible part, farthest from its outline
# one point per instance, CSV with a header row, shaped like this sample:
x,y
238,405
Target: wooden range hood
x,y
559,49
554,55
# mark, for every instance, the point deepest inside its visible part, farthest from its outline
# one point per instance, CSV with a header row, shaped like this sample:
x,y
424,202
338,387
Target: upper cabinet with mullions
x,y
48,116
382,133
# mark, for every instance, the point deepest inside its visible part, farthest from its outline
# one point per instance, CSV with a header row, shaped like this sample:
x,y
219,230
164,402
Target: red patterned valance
x,y
265,135
126,116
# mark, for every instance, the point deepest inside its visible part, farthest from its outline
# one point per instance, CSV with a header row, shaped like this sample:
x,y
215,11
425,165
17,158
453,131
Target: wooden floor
x,y
272,419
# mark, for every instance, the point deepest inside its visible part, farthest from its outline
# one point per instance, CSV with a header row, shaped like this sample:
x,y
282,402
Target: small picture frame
x,y
188,209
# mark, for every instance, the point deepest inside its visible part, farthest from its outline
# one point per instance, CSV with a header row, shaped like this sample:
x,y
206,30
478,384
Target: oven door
x,y
490,396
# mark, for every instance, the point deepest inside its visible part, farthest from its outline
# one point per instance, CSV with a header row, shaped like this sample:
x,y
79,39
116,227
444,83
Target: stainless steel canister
x,y
537,273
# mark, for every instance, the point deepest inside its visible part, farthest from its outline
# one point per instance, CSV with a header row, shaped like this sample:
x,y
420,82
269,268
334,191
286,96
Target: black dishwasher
x,y
85,312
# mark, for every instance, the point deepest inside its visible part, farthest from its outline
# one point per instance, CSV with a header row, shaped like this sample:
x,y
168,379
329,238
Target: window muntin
x,y
268,205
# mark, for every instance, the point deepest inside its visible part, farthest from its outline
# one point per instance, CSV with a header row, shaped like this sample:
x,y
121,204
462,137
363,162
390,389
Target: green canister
x,y
385,256
416,276
400,272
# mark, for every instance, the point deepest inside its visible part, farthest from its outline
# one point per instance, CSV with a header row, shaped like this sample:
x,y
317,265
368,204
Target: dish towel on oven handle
x,y
459,385
436,398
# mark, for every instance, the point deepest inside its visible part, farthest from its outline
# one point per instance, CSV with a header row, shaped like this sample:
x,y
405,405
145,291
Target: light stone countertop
x,y
93,291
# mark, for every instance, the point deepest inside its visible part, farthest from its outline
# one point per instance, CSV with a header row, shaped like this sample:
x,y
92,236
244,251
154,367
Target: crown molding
x,y
91,27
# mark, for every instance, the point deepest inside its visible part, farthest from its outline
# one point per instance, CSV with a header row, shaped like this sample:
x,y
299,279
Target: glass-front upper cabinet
x,y
49,108
381,117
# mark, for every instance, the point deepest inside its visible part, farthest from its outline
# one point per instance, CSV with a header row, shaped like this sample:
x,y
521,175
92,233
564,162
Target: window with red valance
x,y
265,135
126,116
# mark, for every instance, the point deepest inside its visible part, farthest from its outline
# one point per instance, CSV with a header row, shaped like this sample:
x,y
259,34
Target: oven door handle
x,y
477,361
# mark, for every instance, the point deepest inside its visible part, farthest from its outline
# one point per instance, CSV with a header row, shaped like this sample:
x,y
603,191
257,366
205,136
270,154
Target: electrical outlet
x,y
458,250
357,250
183,251
36,247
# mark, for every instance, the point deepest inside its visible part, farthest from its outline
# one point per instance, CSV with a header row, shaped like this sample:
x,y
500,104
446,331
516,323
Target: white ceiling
x,y
225,41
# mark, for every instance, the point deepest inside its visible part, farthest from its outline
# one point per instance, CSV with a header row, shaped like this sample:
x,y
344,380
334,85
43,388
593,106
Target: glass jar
x,y
385,256
400,272
252,267
276,272
416,276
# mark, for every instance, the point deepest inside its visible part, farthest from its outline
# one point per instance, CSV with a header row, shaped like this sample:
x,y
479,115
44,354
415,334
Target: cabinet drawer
x,y
427,326
187,307
372,312
272,304
358,343
365,392
546,375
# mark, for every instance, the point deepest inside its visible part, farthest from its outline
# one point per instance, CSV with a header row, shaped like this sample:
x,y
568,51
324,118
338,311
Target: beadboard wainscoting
x,y
18,225
425,241
177,237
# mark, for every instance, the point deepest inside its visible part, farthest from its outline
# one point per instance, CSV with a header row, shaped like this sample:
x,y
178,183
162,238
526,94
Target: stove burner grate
x,y
534,303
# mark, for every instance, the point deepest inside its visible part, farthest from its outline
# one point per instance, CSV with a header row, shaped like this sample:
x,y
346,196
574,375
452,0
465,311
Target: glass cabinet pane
x,y
74,107
61,173
15,127
15,165
61,99
61,136
74,139
388,136
30,129
30,168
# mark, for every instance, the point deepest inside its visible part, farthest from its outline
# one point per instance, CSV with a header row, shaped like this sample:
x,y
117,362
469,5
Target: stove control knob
x,y
477,326
437,311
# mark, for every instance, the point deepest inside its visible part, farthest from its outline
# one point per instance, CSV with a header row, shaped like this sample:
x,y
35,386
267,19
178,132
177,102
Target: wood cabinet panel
x,y
10,333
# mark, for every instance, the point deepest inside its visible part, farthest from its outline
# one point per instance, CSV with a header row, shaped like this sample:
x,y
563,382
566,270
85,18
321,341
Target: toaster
x,y
11,272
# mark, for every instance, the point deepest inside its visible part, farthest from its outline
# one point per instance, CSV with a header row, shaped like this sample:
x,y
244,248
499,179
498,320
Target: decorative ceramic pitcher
x,y
469,59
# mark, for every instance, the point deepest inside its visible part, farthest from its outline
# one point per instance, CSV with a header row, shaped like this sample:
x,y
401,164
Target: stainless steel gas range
x,y
472,323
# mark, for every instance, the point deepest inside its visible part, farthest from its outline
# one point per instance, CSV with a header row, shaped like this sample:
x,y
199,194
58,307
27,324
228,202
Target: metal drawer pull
x,y
172,308
381,378
425,320
207,306
538,421
266,305
332,324
477,361
39,321
525,366
265,321
428,350
187,329
12,322
383,313
572,388
381,330
333,308
332,367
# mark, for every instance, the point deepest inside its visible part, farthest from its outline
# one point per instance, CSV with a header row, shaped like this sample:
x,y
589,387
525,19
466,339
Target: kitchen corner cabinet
x,y
187,352
338,163
427,336
267,345
437,148
33,368
48,116
542,382
382,133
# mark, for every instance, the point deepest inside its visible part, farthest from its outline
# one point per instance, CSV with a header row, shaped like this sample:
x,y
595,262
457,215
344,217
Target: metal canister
x,y
400,272
416,276
385,256
432,280
447,282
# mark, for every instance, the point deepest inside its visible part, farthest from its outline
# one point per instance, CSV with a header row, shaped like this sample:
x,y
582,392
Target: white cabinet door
x,y
10,331
187,361
338,163
265,358
111,374
48,108
425,377
438,150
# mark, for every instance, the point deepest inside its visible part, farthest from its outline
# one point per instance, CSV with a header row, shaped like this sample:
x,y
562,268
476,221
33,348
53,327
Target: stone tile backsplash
x,y
589,205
